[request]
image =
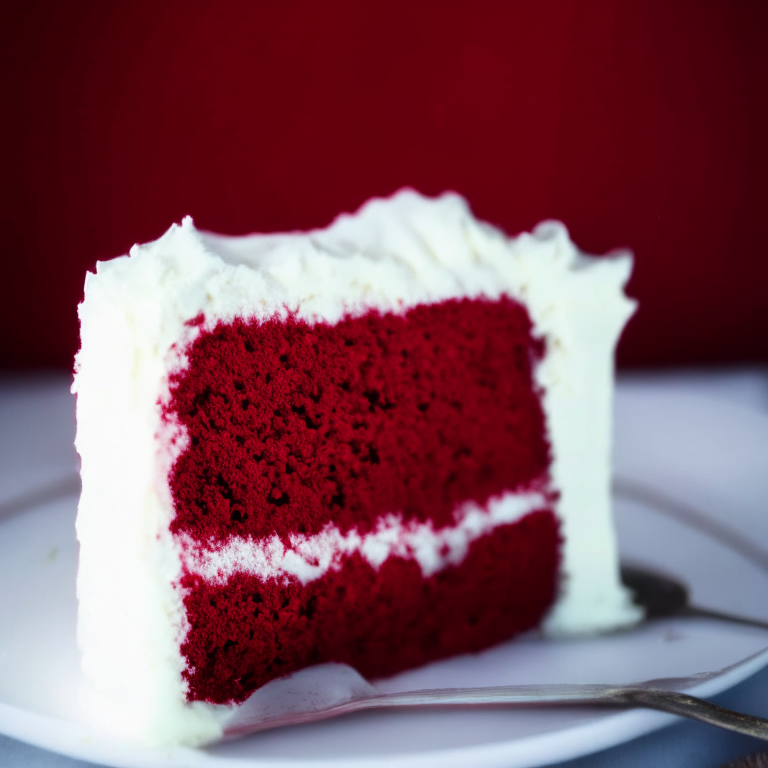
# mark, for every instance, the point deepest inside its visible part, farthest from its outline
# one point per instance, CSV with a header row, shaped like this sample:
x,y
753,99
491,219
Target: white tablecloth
x,y
27,459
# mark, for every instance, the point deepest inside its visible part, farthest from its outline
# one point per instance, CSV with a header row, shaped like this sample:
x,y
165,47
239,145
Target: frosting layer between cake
x,y
392,256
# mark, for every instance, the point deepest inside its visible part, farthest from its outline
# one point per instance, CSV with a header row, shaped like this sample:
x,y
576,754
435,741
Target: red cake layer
x,y
248,632
294,425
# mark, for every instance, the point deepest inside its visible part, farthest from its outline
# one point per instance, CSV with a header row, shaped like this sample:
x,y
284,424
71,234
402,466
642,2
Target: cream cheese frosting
x,y
309,557
392,255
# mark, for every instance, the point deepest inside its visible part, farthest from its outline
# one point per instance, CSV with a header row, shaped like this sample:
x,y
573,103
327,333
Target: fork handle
x,y
697,709
710,613
579,695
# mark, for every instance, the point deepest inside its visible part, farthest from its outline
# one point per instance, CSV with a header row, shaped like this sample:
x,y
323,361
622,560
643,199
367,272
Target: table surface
x,y
45,397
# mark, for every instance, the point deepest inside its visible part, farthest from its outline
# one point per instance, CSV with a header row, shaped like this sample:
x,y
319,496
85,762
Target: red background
x,y
639,124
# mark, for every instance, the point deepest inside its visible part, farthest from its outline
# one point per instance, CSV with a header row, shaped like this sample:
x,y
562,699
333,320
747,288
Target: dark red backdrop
x,y
640,124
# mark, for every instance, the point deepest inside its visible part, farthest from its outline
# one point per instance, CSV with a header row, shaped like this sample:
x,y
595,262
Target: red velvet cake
x,y
379,444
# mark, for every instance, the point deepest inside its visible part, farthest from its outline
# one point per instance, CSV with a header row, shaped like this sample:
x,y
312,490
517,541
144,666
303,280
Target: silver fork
x,y
330,690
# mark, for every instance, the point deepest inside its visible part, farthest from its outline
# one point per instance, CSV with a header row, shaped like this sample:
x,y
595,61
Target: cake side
x,y
580,417
581,312
130,618
136,321
139,320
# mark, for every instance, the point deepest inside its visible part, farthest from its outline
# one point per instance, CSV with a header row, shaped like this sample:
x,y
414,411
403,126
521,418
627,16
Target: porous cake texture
x,y
382,444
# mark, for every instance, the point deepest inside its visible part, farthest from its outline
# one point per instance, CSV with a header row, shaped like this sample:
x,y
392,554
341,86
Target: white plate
x,y
695,450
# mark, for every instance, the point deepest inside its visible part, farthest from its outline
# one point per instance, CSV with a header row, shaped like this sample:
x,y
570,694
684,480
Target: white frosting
x,y
309,557
393,254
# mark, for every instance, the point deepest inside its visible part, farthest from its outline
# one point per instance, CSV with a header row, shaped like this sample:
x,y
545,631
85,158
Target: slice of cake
x,y
380,444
